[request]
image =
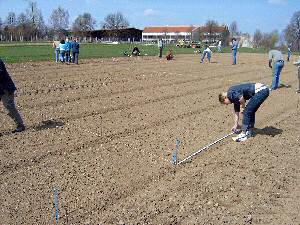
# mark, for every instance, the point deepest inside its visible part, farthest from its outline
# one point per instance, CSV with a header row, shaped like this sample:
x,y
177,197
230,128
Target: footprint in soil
x,y
49,124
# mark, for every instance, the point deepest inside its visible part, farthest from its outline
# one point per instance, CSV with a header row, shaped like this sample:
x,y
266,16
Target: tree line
x,y
30,25
290,36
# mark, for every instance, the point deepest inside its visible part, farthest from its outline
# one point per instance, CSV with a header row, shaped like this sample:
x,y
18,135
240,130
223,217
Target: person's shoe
x,y
19,128
242,136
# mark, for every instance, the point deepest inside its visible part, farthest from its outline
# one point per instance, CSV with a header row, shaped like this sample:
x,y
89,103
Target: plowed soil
x,y
103,132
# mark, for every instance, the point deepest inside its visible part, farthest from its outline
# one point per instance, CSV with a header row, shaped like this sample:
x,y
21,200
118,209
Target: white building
x,y
167,34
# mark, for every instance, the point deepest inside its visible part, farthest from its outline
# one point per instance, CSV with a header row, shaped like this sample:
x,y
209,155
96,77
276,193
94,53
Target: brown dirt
x,y
103,132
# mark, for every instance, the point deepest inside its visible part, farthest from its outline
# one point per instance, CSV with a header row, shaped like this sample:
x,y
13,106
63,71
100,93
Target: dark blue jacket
x,y
234,94
6,83
75,47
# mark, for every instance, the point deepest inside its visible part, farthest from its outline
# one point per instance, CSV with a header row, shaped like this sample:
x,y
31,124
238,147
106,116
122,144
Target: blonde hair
x,y
222,97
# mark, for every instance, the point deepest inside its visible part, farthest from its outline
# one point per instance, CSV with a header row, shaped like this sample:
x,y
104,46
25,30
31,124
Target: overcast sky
x,y
266,15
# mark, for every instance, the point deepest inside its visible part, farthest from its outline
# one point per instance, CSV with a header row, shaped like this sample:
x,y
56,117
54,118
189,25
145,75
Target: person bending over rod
x,y
256,93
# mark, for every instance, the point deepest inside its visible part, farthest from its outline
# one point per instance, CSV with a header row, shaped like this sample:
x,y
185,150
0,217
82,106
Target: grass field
x,y
19,52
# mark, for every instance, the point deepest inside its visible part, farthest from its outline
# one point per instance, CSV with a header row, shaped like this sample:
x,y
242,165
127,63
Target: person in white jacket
x,y
207,52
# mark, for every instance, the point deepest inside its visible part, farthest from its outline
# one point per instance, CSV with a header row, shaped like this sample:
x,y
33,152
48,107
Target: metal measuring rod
x,y
175,160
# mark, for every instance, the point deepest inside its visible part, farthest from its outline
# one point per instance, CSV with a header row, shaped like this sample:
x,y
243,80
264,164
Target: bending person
x,y
256,93
276,58
207,52
135,51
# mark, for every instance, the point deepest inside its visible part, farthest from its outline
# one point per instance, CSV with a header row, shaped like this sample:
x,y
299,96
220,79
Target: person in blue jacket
x,y
62,50
75,50
7,90
68,50
237,95
234,50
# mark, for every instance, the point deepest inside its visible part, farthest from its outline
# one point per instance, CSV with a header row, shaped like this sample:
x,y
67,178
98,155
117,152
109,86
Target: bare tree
x,y
35,20
84,23
269,40
257,38
59,20
292,31
115,21
211,25
233,28
23,26
10,25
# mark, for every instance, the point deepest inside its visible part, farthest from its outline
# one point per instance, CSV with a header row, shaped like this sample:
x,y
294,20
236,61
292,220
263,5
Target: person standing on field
x,y
160,46
237,95
62,50
75,50
234,50
55,45
289,53
298,67
68,50
7,95
276,58
220,46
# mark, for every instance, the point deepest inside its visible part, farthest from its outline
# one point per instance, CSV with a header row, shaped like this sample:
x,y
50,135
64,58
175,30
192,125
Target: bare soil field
x,y
103,132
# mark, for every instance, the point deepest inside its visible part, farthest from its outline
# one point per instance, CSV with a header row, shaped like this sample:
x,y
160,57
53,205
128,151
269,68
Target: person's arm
x,y
236,125
243,103
2,69
270,63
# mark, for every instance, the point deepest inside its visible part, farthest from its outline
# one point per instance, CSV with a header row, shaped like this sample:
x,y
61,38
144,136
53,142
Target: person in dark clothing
x,y
160,46
135,51
170,55
256,93
7,90
75,50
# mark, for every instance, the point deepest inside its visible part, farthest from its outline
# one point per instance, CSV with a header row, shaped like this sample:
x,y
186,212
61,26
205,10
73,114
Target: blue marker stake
x,y
55,203
175,152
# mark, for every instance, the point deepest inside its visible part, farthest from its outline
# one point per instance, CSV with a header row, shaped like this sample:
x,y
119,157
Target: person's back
x,y
62,45
135,51
160,43
275,55
56,44
68,45
170,55
75,50
75,47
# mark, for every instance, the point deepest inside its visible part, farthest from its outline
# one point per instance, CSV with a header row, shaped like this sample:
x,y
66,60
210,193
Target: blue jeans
x,y
277,70
75,57
234,57
68,56
251,108
62,56
206,54
56,54
289,56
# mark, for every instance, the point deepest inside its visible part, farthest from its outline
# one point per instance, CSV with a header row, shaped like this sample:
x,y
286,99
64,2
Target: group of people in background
x,y
254,93
66,50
